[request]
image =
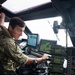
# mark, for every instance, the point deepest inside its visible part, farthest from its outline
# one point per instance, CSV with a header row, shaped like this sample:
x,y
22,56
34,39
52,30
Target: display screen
x,y
58,59
56,68
58,51
32,40
45,45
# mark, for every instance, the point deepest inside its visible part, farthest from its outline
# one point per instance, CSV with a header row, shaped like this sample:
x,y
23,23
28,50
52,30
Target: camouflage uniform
x,y
11,55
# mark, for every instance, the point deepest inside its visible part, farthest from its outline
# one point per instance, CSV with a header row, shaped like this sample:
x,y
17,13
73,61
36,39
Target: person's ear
x,y
10,28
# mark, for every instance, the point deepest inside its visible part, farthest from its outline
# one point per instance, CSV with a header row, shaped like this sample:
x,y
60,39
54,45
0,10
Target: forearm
x,y
2,18
30,60
2,21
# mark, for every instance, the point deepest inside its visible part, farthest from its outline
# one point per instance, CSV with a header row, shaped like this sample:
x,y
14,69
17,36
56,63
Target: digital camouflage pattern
x,y
11,55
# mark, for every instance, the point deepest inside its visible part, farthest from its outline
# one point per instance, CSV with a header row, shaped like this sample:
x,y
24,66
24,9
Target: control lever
x,y
36,54
47,61
30,51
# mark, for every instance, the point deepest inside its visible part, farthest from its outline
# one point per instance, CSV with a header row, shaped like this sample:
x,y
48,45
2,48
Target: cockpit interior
x,y
50,29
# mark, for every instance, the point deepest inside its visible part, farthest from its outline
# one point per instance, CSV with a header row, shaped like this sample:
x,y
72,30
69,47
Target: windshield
x,y
44,27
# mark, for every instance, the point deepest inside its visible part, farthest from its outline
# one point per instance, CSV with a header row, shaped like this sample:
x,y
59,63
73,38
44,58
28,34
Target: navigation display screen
x,y
45,45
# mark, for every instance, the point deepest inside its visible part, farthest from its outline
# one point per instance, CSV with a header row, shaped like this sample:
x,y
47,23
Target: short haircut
x,y
16,21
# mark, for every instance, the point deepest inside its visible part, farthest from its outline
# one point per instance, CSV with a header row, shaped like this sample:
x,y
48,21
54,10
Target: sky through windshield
x,y
44,27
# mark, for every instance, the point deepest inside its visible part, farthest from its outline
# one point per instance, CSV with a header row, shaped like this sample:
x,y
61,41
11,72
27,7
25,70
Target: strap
x,y
5,31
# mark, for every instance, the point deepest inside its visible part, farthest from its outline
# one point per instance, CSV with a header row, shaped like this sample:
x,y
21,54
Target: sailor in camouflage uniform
x,y
11,55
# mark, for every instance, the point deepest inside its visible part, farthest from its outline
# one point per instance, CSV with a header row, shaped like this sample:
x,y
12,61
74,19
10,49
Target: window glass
x,y
22,5
44,27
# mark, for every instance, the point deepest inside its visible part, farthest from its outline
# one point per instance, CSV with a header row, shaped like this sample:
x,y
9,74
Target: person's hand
x,y
2,15
45,56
